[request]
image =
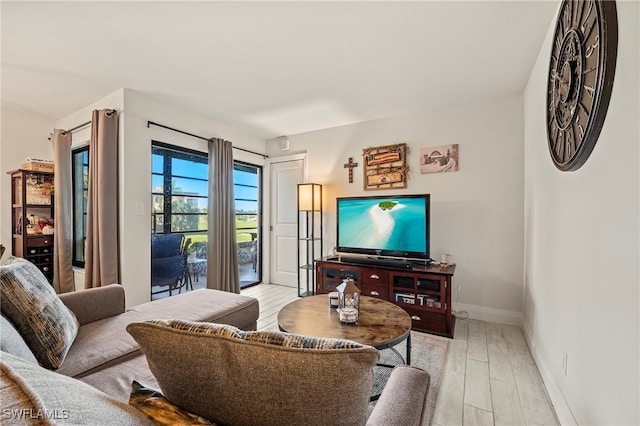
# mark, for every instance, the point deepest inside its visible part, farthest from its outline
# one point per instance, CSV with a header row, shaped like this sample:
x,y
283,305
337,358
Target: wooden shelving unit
x,y
31,210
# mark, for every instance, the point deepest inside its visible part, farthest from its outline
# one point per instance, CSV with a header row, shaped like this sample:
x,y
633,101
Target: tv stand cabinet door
x,y
330,275
427,299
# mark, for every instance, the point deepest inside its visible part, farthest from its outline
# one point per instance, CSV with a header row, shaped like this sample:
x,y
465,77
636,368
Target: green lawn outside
x,y
242,234
245,234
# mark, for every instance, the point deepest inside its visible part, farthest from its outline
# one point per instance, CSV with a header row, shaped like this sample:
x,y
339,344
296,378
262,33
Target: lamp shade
x,y
309,196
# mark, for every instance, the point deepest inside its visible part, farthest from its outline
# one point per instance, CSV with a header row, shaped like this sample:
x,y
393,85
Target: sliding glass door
x,y
247,180
179,189
179,208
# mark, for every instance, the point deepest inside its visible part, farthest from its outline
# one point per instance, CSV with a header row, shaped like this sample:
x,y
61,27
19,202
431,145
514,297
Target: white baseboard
x,y
483,313
562,409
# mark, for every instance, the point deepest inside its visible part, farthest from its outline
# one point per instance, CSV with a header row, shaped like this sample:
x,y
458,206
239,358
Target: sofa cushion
x,y
32,305
32,395
93,304
277,378
103,343
156,407
115,380
12,342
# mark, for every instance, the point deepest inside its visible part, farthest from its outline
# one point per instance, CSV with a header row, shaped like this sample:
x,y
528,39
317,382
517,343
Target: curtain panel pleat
x,y
63,281
222,259
102,257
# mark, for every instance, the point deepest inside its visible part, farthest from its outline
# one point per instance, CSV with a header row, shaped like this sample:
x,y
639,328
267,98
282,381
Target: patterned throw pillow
x,y
155,406
230,376
276,338
32,305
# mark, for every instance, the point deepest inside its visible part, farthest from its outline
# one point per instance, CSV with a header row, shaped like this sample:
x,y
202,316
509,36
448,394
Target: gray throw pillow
x,y
32,305
237,377
32,395
12,342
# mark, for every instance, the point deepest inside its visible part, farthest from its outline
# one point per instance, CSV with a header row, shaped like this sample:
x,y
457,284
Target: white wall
x,y
23,135
136,154
476,212
581,250
136,109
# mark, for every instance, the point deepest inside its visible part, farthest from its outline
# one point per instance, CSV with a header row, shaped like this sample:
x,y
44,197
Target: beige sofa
x,y
106,357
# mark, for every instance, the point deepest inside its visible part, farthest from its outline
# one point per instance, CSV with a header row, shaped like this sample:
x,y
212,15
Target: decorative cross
x,y
350,165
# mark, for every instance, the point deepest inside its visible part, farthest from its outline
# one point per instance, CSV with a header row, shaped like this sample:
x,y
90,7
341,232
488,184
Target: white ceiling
x,y
272,68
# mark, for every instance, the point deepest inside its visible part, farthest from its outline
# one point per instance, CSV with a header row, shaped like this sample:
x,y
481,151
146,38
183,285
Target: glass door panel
x,y
179,179
247,180
180,190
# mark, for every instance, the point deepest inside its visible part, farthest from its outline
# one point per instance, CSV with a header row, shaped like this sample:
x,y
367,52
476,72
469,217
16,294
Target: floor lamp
x,y
309,235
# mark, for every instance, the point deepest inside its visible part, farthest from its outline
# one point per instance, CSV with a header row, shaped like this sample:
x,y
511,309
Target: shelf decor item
x,y
348,302
39,188
309,235
38,165
333,299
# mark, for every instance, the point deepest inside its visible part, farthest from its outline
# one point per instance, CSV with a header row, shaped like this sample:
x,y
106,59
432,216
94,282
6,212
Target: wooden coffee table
x,y
381,324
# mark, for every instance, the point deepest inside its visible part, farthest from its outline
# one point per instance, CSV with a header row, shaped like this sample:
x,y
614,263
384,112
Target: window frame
x,y
237,165
180,153
75,261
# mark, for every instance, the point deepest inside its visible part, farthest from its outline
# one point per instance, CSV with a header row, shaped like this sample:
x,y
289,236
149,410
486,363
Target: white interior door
x,y
285,177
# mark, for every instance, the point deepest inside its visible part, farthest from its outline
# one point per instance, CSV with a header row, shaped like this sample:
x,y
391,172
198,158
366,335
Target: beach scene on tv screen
x,y
383,224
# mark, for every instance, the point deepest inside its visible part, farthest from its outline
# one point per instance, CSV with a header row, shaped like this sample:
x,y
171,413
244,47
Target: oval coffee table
x,y
381,324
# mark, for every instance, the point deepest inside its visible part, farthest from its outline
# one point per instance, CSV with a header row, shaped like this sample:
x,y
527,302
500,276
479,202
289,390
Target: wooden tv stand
x,y
424,291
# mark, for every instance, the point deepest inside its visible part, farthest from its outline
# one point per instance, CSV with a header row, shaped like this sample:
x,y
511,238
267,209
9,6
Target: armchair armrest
x,y
94,304
403,399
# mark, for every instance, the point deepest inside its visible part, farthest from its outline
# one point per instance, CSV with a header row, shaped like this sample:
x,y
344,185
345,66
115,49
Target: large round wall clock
x,y
581,70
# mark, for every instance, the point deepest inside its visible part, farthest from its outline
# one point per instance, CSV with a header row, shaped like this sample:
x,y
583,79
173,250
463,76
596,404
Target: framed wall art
x,y
385,167
437,159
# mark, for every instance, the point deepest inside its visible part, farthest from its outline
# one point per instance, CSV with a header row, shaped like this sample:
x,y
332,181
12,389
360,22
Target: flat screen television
x,y
386,226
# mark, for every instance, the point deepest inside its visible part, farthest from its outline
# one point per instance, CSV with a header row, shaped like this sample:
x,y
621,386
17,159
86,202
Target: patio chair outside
x,y
168,263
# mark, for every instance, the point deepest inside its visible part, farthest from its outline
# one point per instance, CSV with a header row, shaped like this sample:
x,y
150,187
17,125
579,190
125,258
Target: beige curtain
x,y
102,263
63,236
222,257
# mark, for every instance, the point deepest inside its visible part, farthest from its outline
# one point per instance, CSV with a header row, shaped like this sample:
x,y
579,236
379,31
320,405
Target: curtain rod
x,y
79,126
73,129
151,123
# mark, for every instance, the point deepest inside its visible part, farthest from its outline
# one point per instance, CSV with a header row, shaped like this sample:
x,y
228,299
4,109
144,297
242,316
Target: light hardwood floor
x,y
272,298
490,377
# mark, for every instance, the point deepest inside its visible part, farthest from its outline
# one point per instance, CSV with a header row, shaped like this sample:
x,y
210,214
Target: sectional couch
x,y
93,383
105,356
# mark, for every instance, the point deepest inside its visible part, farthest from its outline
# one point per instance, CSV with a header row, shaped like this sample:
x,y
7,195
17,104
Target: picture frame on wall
x,y
439,159
385,167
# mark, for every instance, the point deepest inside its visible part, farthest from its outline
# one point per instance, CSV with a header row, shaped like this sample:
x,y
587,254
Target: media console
x,y
424,291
